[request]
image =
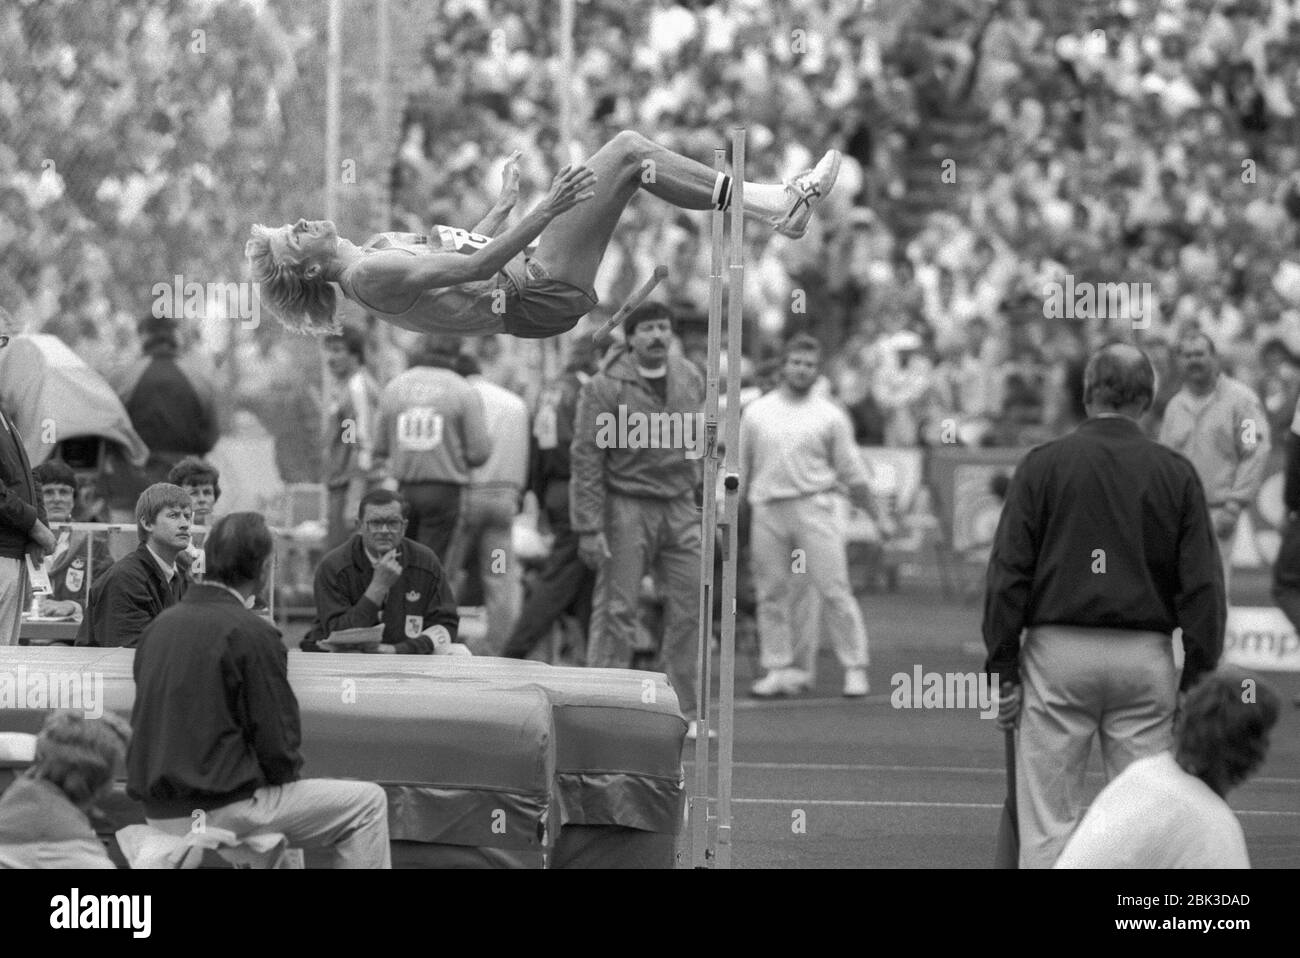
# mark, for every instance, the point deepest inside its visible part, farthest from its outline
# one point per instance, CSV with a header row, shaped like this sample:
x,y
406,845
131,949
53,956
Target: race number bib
x,y
454,239
419,429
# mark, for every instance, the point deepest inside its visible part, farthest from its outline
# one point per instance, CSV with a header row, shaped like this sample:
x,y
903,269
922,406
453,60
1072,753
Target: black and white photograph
x,y
826,435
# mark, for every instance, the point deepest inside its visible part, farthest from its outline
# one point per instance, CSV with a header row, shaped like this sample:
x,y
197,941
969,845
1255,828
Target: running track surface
x,y
878,787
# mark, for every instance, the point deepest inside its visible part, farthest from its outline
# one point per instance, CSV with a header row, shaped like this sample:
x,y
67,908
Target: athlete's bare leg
x,y
572,246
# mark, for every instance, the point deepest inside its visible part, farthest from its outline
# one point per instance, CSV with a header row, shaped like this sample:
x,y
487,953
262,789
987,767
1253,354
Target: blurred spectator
x,y
491,501
23,532
429,434
171,399
565,583
902,384
44,821
66,565
353,399
203,482
1277,384
1218,423
141,584
381,577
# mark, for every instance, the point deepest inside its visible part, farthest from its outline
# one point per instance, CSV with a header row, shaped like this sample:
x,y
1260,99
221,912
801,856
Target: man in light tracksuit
x,y
633,494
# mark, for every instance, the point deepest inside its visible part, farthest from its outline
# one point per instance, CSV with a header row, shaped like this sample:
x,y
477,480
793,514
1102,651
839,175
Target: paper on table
x,y
369,635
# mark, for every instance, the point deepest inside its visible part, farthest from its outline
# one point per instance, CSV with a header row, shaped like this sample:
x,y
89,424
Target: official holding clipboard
x,y
380,578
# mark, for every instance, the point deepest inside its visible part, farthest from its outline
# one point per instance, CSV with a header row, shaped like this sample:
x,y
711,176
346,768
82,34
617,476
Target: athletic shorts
x,y
538,306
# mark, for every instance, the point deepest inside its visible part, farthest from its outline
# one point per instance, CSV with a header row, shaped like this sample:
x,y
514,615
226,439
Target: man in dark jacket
x,y
216,724
1104,548
379,573
565,582
170,398
23,531
140,585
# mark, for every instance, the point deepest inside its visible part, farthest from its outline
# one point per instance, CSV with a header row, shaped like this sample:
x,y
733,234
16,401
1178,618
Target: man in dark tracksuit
x,y
216,728
633,493
380,576
1104,547
565,583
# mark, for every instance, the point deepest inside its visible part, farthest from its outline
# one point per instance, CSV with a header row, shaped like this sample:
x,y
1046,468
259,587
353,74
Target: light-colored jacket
x,y
506,416
604,459
1226,438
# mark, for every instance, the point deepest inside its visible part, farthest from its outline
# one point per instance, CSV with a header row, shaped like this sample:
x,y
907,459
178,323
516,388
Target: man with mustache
x,y
633,499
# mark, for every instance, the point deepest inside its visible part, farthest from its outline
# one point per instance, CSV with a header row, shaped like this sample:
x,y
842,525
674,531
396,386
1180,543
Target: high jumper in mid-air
x,y
473,283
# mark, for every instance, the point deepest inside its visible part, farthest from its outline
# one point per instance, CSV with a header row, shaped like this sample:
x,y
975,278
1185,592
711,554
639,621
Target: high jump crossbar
x,y
711,846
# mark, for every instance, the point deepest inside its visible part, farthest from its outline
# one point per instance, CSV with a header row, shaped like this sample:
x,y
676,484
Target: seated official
x,y
44,821
1168,810
203,482
66,565
217,726
378,575
140,585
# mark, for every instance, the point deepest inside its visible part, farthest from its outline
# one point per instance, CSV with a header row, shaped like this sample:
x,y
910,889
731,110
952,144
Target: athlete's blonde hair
x,y
300,304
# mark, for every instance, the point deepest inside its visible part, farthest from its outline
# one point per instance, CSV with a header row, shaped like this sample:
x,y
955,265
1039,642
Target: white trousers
x,y
800,562
350,818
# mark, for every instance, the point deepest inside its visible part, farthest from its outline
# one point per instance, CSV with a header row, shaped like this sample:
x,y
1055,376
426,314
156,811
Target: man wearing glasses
x,y
379,577
23,531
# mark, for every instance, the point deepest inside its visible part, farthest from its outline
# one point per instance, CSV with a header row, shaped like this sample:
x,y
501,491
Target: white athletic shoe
x,y
805,189
855,683
779,682
693,731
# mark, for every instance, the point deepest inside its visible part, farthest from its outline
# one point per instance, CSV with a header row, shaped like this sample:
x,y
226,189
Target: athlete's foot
x,y
804,190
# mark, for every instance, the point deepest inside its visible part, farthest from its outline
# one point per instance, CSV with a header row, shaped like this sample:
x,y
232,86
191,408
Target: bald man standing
x,y
1105,546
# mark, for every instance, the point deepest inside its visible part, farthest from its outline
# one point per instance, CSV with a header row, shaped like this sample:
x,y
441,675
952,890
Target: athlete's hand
x,y
510,182
571,186
593,550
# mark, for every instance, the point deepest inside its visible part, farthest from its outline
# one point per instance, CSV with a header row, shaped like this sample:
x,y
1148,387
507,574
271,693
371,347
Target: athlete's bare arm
x,y
403,278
